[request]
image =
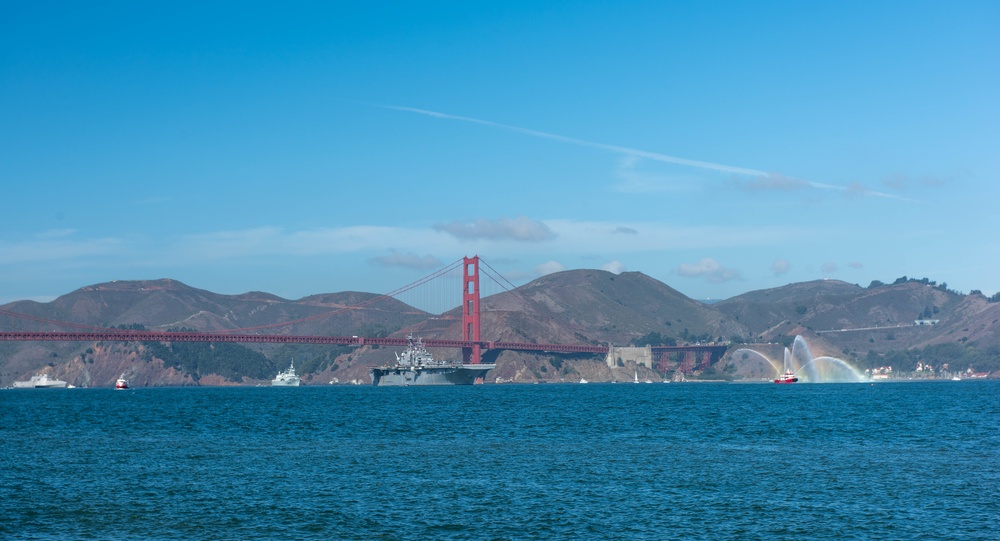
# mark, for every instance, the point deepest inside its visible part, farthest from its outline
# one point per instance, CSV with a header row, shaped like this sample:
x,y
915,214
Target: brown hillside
x,y
572,307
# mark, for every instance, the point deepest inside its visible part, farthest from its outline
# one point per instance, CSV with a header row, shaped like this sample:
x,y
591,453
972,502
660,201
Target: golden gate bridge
x,y
13,327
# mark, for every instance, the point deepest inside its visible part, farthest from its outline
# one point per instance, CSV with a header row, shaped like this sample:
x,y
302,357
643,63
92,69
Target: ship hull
x,y
400,376
40,383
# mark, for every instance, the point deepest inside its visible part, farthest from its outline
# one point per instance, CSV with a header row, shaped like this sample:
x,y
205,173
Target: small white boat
x,y
286,378
122,383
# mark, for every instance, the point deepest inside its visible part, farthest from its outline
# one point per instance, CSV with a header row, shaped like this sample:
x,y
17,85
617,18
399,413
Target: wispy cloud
x,y
709,269
408,260
520,229
503,239
613,238
761,180
59,245
633,180
277,241
780,266
903,182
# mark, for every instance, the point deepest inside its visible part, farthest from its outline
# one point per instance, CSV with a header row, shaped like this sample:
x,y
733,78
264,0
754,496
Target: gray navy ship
x,y
416,366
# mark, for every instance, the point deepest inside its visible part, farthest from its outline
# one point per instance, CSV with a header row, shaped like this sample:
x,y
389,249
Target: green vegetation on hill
x,y
925,281
310,358
654,339
958,357
231,361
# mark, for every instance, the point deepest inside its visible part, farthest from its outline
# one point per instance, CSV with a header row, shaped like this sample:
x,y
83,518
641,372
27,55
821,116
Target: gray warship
x,y
416,366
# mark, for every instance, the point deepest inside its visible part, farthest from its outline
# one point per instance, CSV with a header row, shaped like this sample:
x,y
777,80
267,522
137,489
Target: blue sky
x,y
720,147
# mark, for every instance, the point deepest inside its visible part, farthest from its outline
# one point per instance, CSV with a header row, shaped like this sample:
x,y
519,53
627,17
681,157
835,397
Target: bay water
x,y
506,462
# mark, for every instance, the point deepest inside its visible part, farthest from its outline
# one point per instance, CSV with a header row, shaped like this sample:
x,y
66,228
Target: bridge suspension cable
x,y
392,294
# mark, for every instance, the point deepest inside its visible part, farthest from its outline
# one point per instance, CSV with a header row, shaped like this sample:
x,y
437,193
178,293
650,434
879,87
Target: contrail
x,y
613,148
656,156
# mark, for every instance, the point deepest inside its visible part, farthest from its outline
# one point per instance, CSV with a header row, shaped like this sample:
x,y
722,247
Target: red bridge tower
x,y
470,310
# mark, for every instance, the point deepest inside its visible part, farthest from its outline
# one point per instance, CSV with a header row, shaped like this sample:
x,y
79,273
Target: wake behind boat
x,y
416,366
286,378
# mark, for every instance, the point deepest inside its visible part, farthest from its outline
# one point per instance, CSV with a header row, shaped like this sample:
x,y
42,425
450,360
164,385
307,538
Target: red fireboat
x,y
122,383
787,377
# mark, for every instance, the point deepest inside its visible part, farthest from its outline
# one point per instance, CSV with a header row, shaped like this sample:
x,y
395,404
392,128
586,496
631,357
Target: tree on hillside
x,y
653,339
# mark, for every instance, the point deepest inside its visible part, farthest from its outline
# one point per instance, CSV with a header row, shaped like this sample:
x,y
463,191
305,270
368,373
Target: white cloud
x,y
709,269
616,267
780,266
548,268
829,267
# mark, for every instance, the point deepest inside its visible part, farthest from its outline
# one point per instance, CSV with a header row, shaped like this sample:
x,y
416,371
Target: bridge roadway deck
x,y
153,336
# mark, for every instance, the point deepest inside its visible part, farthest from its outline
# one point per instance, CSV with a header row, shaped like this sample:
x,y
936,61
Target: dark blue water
x,y
661,461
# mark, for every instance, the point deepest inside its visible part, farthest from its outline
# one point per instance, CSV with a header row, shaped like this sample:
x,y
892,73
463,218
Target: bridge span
x,y
115,335
470,343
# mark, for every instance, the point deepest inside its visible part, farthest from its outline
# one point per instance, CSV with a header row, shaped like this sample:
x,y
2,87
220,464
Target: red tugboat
x,y
122,383
787,377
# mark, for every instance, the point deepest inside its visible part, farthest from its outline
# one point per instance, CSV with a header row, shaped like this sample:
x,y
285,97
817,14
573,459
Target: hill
x,y
171,305
866,326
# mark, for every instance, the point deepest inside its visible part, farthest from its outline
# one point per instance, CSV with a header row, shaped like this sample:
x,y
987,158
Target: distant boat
x,y
286,378
787,377
40,382
583,381
122,383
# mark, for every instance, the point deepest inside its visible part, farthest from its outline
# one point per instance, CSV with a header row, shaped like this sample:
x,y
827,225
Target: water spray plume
x,y
799,361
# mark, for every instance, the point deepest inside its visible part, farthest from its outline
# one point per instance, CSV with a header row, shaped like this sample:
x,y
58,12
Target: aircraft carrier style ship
x,y
416,366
